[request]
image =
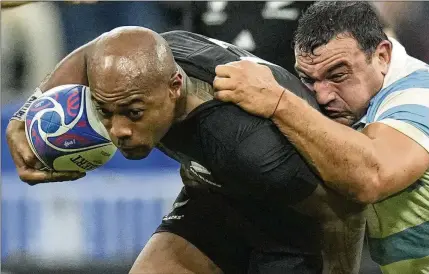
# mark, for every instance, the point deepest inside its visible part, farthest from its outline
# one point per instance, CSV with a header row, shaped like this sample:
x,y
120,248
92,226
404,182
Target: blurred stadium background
x,y
100,223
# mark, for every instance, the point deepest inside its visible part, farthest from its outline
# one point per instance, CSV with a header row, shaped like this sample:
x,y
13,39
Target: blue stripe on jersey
x,y
416,115
411,243
417,79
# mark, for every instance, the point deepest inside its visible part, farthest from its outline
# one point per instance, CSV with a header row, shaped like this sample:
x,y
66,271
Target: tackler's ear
x,y
383,55
176,82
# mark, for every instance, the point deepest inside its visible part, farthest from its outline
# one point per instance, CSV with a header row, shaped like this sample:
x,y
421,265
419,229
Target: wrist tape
x,y
20,114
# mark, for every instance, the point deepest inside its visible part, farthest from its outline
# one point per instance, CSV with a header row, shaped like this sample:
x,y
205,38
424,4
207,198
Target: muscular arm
x,y
343,226
367,166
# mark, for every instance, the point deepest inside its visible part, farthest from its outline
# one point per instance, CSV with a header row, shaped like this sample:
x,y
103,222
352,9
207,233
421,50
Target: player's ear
x,y
383,54
176,82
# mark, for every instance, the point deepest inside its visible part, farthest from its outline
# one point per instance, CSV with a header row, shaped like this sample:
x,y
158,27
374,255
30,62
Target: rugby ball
x,y
64,132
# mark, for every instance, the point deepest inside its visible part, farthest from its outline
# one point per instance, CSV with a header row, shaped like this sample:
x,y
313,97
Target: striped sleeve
x,y
408,112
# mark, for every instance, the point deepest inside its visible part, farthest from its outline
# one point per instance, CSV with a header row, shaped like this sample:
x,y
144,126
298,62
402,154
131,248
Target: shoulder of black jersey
x,y
199,55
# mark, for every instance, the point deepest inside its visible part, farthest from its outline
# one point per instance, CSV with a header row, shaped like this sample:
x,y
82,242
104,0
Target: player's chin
x,y
135,153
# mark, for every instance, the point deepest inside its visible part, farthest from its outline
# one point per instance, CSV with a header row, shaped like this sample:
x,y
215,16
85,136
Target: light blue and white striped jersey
x,y
398,227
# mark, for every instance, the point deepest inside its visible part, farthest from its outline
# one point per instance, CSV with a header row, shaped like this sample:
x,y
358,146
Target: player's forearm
x,y
343,225
344,158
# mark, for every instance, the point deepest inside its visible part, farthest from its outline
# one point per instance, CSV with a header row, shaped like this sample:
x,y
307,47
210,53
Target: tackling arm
x,y
367,166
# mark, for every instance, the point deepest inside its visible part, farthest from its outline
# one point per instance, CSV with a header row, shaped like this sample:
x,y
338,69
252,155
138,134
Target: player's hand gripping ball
x,y
64,132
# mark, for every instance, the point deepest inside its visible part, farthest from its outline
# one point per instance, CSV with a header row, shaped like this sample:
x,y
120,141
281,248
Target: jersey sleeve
x,y
272,167
408,112
251,158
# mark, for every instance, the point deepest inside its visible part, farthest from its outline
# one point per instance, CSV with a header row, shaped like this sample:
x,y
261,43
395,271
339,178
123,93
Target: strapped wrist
x,y
278,102
21,113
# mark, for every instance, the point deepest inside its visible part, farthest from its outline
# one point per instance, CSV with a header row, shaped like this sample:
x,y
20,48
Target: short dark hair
x,y
324,20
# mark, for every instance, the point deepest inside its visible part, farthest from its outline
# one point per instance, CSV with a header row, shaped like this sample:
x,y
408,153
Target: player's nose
x,y
120,128
324,92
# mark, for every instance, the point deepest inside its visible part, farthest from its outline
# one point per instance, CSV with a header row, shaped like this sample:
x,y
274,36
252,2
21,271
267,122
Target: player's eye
x,y
338,77
135,114
103,112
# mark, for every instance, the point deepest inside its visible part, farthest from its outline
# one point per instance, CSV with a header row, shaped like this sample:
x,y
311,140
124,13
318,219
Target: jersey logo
x,y
199,168
201,173
180,204
173,217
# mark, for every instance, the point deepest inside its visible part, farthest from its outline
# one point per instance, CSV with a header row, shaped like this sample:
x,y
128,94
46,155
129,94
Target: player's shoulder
x,y
191,40
407,77
185,44
410,92
226,124
416,79
184,40
404,105
199,55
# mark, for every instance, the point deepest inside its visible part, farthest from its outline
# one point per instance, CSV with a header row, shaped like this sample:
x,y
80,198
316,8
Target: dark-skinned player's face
x,y
137,113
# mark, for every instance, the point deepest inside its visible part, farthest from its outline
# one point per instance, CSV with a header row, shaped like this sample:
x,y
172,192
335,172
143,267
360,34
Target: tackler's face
x,y
136,114
343,77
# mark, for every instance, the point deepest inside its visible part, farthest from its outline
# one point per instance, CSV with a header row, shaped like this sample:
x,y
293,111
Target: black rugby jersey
x,y
199,55
238,149
240,155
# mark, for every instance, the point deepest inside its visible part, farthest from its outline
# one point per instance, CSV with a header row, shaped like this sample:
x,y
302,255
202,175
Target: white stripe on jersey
x,y
414,96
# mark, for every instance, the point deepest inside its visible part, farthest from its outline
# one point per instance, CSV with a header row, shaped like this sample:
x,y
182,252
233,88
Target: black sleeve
x,y
271,167
252,159
199,55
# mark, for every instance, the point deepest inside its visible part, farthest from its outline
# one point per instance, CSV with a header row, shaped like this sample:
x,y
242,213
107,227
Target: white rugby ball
x,y
64,132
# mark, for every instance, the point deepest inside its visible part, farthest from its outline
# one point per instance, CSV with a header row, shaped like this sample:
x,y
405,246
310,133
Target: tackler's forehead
x,y
339,49
338,44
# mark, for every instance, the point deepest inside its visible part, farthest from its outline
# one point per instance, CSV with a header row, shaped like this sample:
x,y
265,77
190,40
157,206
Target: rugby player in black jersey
x,y
250,203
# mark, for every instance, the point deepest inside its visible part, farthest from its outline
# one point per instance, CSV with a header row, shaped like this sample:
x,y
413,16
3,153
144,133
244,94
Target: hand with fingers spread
x,y
27,164
249,85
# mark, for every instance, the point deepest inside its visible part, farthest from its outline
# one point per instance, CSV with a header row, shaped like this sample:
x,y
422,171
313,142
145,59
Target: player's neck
x,y
194,93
